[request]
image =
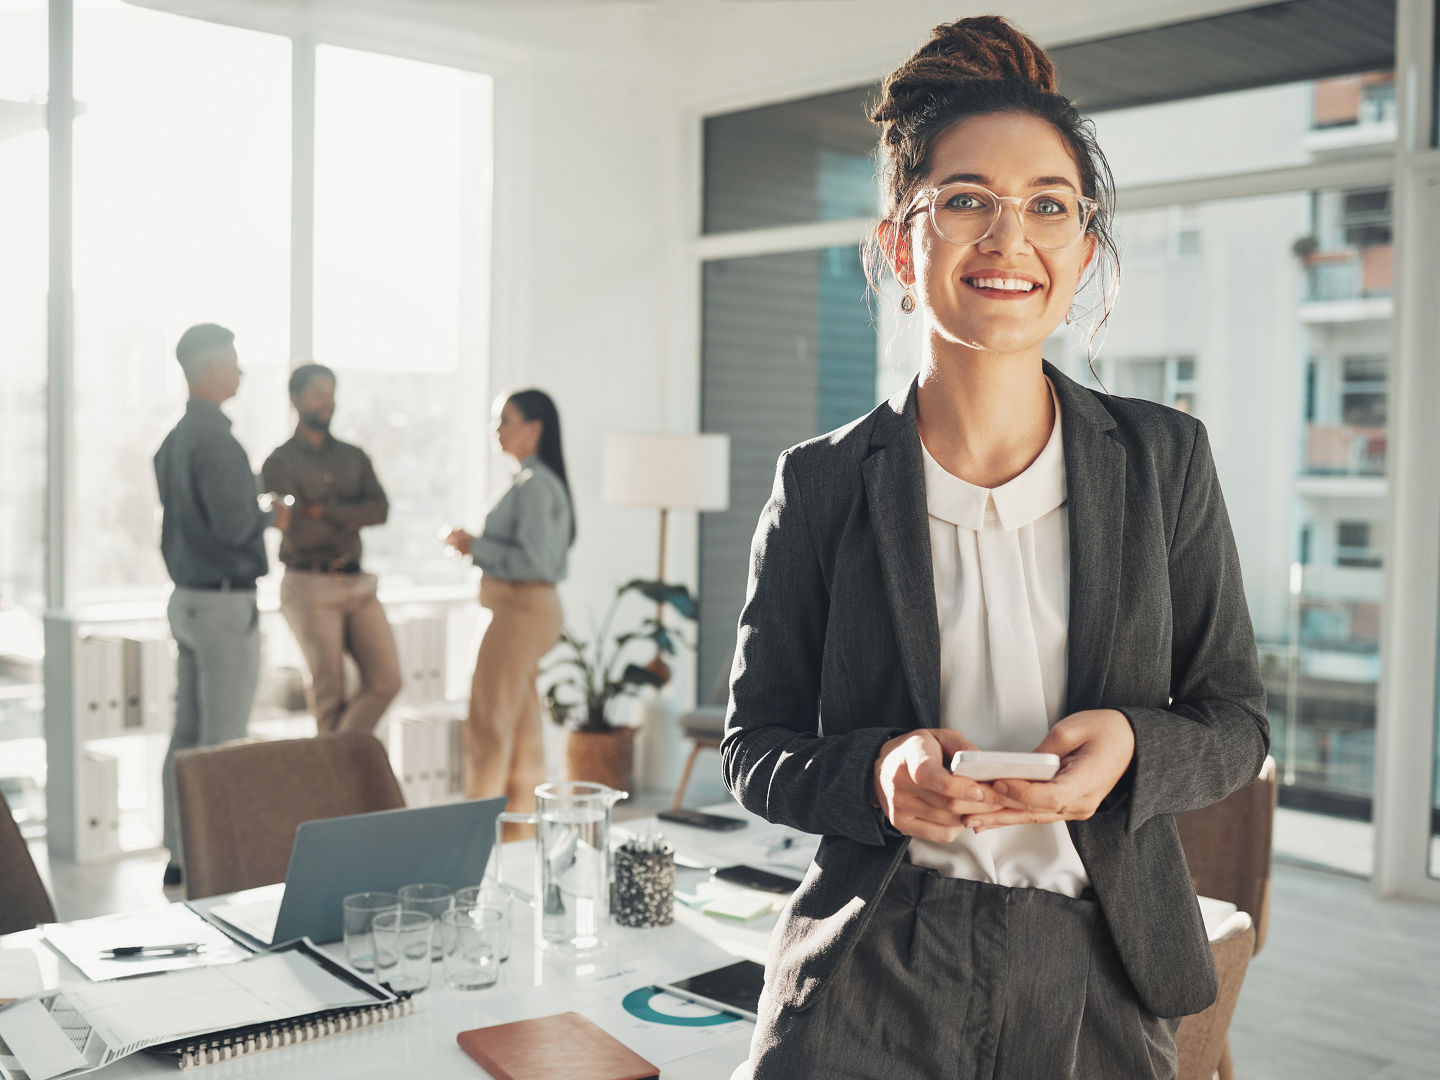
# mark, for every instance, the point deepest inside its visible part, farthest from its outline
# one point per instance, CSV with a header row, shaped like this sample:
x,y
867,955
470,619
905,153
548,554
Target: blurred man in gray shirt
x,y
326,597
212,538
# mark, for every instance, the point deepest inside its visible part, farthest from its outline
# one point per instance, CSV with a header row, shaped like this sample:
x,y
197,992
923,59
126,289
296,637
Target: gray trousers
x,y
964,980
218,635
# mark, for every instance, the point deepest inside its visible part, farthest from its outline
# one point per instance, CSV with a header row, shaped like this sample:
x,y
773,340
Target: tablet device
x,y
734,988
1004,765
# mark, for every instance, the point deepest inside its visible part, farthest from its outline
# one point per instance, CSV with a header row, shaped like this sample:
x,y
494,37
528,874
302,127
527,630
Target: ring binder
x,y
225,1046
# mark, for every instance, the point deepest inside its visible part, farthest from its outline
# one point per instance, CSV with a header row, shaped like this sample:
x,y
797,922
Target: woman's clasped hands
x,y
921,797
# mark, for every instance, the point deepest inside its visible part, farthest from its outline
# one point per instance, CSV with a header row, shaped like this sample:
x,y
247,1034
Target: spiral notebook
x,y
236,1042
291,994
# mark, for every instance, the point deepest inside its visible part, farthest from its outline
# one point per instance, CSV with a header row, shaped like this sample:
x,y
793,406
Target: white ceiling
x,y
710,53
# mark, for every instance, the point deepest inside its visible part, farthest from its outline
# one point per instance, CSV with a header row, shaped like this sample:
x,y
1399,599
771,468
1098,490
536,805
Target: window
x,y
1357,543
1365,217
182,215
789,352
799,161
1363,390
1168,380
1293,474
23,282
402,182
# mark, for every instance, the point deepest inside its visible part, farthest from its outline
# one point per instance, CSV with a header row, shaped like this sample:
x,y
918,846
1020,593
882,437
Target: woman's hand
x,y
919,794
1095,748
460,540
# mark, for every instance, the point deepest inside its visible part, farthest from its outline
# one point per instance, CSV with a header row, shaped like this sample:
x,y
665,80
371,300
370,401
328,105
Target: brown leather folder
x,y
565,1046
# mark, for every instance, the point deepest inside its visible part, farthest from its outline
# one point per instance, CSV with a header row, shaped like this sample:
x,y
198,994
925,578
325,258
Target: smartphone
x,y
1003,765
698,819
733,989
752,878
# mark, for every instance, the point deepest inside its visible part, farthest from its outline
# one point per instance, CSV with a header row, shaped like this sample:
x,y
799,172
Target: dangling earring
x,y
1069,316
907,303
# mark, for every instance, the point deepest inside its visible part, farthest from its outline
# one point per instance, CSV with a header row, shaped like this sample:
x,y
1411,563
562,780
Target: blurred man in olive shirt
x,y
329,601
212,539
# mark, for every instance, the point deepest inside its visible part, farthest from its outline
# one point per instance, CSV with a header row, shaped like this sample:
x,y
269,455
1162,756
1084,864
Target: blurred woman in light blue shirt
x,y
522,554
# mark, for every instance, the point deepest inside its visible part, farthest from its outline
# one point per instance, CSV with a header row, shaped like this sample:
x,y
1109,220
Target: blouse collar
x,y
1027,498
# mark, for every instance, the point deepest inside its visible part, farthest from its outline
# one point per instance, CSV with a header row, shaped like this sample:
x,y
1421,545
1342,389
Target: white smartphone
x,y
1003,765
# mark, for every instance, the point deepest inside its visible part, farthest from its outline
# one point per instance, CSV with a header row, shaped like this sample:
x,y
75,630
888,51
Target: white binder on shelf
x,y
434,634
132,714
99,688
157,685
406,758
98,805
456,749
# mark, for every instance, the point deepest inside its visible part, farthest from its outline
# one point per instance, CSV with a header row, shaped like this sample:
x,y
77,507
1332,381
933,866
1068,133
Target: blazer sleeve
x,y
775,761
1214,736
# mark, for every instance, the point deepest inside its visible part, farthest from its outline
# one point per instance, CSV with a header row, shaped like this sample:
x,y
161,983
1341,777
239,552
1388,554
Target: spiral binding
x,y
289,1032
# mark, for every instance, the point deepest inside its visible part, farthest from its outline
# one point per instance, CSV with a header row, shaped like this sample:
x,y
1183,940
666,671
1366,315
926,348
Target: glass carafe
x,y
572,864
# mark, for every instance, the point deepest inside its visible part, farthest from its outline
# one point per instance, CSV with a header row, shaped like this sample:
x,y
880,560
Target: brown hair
x,y
976,67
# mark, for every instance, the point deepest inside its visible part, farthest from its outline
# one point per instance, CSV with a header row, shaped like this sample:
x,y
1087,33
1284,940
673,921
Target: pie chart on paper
x,y
657,1007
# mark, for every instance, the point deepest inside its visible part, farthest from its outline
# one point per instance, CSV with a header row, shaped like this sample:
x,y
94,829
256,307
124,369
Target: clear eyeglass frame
x,y
928,199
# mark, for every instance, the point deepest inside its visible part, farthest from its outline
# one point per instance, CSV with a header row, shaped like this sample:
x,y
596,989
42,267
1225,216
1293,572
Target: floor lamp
x,y
667,472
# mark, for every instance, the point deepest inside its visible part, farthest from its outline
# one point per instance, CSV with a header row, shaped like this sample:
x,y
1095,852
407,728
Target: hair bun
x,y
988,47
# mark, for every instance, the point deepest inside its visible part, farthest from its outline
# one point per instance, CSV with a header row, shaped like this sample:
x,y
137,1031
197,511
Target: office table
x,y
531,983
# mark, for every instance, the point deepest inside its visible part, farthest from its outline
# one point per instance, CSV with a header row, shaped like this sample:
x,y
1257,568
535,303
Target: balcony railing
x,y
1344,450
1349,274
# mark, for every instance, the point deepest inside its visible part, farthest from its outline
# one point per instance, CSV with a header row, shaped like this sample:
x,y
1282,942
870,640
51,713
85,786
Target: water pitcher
x,y
572,864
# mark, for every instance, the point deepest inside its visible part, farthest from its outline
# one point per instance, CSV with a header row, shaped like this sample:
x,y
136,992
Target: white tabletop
x,y
532,983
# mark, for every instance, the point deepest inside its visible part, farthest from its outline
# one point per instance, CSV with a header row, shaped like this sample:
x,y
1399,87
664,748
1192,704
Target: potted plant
x,y
589,677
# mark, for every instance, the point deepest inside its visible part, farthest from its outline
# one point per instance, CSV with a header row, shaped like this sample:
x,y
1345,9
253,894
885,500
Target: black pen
x,y
183,949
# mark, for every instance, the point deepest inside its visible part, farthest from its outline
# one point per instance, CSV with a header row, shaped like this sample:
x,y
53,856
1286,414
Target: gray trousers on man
x,y
963,980
218,635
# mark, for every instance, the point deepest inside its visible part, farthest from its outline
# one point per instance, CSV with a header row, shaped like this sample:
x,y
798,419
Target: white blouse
x,y
1001,561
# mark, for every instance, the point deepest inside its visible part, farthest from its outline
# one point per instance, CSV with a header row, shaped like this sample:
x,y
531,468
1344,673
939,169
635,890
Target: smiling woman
x,y
995,559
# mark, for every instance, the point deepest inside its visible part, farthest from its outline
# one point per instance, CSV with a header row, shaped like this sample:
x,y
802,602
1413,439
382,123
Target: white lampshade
x,y
670,472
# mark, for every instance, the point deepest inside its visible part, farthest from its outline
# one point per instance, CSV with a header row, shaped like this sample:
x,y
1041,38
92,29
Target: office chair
x,y
241,802
1228,847
24,903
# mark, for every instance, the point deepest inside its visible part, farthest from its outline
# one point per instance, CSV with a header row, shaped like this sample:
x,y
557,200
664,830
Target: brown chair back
x,y
1201,1039
1228,848
240,803
24,903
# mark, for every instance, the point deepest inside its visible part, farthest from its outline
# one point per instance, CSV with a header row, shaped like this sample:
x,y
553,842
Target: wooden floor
x,y
1347,986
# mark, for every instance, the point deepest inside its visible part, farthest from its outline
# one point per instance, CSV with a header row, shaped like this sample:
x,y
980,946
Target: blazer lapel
x,y
894,478
1095,483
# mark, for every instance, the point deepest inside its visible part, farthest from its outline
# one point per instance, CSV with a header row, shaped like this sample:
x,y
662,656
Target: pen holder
x,y
644,884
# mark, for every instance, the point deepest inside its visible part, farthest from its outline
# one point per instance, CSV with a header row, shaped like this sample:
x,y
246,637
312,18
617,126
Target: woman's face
x,y
517,436
1011,154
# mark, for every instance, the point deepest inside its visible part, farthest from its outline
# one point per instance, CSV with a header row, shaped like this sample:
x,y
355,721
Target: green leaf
x,y
635,675
662,640
677,596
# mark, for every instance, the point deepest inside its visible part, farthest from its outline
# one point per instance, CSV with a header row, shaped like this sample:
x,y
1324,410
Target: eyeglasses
x,y
968,213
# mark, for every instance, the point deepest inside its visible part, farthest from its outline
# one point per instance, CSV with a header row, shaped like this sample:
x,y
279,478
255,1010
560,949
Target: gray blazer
x,y
839,651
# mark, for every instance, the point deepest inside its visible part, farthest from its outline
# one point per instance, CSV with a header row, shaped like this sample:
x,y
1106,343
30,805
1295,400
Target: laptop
x,y
376,852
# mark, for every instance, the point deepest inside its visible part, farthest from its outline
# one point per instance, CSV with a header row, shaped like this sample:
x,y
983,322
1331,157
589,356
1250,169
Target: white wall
x,y
592,294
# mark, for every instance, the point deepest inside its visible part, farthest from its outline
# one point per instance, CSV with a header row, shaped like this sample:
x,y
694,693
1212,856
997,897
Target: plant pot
x,y
601,757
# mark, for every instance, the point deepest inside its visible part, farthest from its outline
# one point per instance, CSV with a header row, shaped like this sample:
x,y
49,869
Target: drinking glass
x,y
472,948
490,896
433,900
360,909
402,949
